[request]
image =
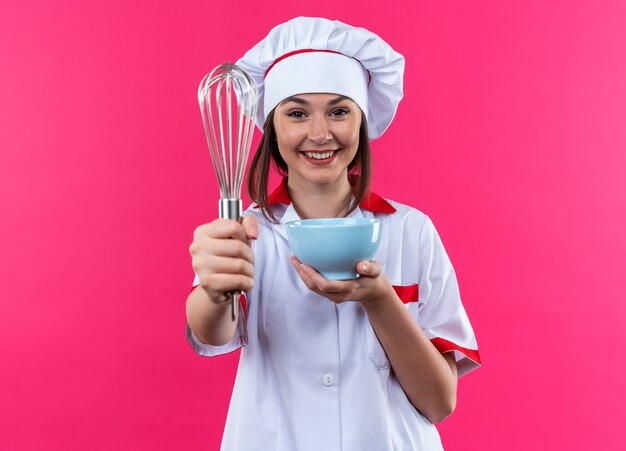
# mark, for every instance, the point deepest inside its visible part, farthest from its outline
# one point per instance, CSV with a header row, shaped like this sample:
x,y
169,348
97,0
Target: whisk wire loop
x,y
228,148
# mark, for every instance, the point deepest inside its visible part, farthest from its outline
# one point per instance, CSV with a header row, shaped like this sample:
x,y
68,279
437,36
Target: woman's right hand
x,y
222,257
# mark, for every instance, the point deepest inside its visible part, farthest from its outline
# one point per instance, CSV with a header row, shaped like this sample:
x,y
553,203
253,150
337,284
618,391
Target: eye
x,y
295,114
343,112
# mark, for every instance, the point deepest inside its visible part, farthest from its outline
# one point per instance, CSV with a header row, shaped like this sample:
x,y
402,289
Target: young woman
x,y
364,364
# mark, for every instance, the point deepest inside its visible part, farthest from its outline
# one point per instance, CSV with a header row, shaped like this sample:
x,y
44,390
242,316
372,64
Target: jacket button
x,y
328,379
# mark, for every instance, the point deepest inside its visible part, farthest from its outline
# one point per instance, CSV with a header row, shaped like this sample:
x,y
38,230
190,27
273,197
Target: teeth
x,y
319,156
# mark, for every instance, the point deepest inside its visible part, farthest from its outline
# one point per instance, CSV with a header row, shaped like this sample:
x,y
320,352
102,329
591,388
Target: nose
x,y
319,131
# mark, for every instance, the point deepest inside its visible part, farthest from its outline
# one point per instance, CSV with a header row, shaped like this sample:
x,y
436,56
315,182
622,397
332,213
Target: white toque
x,y
314,55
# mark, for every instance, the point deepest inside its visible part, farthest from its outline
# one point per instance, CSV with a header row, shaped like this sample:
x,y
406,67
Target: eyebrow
x,y
304,102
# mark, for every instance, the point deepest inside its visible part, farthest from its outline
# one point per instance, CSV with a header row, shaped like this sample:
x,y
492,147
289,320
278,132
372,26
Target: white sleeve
x,y
240,338
196,281
440,311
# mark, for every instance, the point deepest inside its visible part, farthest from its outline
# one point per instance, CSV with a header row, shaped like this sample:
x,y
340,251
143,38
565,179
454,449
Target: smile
x,y
320,155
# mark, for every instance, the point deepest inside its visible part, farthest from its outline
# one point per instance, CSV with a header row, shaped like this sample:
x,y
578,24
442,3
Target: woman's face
x,y
318,135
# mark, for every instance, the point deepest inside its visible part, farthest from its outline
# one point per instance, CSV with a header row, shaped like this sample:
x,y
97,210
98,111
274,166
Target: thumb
x,y
368,268
251,225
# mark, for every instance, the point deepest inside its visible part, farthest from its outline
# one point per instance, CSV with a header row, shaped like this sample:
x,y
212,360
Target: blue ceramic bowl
x,y
334,246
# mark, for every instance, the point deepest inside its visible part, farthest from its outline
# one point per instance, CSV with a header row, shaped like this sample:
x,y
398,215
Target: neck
x,y
313,200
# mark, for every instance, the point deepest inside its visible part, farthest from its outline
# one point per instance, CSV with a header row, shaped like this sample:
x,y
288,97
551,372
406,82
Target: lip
x,y
320,162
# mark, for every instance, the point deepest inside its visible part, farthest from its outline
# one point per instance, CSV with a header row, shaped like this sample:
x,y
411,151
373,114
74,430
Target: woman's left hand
x,y
372,284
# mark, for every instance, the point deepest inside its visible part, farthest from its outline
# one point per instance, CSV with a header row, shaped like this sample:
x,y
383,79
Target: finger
x,y
227,265
221,228
368,268
251,225
322,283
230,248
303,275
319,281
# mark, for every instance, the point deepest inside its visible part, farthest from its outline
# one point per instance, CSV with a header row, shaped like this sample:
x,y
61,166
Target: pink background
x,y
511,136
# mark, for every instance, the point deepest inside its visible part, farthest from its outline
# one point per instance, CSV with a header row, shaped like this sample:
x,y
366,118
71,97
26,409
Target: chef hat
x,y
310,54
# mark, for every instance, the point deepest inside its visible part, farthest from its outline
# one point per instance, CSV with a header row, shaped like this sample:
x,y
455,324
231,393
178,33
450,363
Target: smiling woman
x,y
365,363
314,123
318,141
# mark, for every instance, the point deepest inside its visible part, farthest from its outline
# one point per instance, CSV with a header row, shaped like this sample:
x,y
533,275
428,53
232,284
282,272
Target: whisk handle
x,y
231,209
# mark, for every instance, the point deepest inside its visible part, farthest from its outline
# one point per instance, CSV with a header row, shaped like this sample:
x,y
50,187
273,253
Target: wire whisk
x,y
229,125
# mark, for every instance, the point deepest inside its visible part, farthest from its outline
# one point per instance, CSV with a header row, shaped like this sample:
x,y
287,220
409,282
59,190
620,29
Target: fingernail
x,y
364,267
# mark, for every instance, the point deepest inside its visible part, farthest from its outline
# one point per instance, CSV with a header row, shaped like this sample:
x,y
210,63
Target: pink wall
x,y
511,137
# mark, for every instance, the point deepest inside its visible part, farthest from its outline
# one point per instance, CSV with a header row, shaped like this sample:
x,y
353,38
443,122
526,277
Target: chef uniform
x,y
312,374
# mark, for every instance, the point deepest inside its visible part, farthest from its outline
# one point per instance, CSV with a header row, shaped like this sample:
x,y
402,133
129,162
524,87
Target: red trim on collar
x,y
376,204
371,201
280,194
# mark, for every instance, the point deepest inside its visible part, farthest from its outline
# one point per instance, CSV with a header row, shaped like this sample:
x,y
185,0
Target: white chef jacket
x,y
312,374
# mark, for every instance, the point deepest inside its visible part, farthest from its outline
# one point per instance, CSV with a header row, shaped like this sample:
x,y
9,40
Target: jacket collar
x,y
370,201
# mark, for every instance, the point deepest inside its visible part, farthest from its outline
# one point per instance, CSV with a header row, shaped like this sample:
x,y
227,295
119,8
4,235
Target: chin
x,y
324,179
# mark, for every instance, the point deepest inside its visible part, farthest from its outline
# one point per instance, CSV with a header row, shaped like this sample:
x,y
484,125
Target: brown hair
x,y
359,169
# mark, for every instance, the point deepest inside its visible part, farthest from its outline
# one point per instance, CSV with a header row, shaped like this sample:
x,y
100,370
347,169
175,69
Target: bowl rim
x,y
360,222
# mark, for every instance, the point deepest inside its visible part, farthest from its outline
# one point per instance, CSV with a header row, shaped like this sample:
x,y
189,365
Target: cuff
x,y
466,359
